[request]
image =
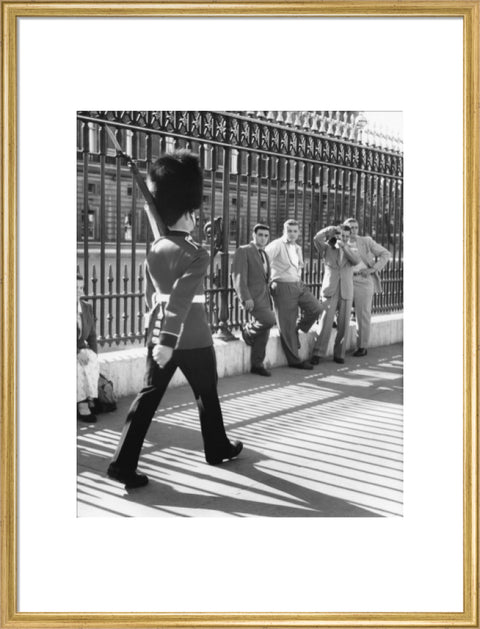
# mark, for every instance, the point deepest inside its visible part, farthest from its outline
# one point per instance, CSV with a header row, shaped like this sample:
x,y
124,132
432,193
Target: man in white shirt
x,y
289,292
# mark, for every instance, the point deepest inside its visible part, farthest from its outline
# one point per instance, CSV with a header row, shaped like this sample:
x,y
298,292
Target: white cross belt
x,y
164,297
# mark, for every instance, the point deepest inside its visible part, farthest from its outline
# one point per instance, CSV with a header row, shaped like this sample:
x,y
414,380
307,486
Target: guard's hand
x,y
162,354
341,244
83,358
249,305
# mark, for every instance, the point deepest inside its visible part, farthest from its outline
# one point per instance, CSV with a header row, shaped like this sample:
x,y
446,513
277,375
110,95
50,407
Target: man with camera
x,y
251,276
337,290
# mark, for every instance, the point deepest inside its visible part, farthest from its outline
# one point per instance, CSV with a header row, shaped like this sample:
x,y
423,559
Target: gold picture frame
x,y
469,12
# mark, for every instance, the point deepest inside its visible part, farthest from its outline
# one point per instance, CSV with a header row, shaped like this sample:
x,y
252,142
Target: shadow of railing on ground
x,y
320,445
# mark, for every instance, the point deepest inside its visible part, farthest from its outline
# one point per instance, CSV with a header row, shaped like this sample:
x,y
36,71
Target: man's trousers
x,y
288,297
199,368
326,323
257,331
363,297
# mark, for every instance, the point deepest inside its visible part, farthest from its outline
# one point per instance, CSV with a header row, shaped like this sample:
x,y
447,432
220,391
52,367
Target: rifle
x,y
154,218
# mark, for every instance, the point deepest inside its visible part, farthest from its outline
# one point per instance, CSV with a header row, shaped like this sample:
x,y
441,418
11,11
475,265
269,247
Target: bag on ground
x,y
106,401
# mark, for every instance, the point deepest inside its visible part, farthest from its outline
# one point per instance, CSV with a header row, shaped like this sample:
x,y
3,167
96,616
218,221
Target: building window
x,y
208,157
233,229
255,164
234,162
128,142
90,225
274,171
262,166
127,227
93,138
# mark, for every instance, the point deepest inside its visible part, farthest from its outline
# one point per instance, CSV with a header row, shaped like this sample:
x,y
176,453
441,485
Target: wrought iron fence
x,y
318,167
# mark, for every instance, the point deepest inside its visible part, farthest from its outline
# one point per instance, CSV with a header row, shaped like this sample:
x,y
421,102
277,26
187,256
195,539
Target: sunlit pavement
x,y
322,443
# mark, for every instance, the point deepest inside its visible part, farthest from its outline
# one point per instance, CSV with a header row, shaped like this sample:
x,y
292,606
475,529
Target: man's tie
x,y
264,260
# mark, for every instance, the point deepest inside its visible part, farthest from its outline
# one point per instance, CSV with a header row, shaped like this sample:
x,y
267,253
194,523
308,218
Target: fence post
x,y
224,332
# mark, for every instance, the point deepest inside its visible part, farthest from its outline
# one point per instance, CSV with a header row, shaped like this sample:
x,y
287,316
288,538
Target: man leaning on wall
x,y
251,276
290,293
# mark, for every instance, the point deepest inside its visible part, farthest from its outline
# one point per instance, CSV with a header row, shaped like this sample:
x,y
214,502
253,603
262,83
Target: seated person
x,y
88,369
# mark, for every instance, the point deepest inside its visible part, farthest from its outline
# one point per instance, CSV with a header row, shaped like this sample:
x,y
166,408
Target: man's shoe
x,y
340,361
235,449
88,419
315,360
131,480
361,351
260,371
246,338
303,365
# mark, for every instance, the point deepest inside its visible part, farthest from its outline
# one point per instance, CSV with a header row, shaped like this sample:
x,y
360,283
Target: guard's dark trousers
x,y
199,368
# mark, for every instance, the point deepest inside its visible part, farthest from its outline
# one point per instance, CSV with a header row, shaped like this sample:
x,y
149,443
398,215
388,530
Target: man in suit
x,y
178,332
366,281
337,290
290,293
250,275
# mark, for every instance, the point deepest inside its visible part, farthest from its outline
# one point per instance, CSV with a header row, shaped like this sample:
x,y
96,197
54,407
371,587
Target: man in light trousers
x,y
290,294
366,281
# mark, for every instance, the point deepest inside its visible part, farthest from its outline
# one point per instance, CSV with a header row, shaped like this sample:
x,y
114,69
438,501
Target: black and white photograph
x,y
240,314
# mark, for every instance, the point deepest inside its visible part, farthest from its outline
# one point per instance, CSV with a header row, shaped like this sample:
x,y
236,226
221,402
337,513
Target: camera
x,y
333,240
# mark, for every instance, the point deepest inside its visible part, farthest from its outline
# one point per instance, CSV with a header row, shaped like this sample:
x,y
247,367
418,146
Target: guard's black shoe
x,y
303,365
260,371
235,448
246,338
315,360
88,419
361,351
338,360
131,480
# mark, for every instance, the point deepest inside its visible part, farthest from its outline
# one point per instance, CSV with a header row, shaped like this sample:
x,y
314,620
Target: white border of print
x,y
406,564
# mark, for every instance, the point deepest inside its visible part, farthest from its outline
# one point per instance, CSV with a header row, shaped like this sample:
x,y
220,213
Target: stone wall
x,y
126,367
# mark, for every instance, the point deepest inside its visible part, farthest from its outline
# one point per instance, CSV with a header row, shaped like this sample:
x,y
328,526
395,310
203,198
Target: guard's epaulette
x,y
190,241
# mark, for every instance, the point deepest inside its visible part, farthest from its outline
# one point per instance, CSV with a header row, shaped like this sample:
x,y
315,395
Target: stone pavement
x,y
322,443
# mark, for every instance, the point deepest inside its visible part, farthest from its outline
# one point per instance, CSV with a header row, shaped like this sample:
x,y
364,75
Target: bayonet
x,y
154,218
